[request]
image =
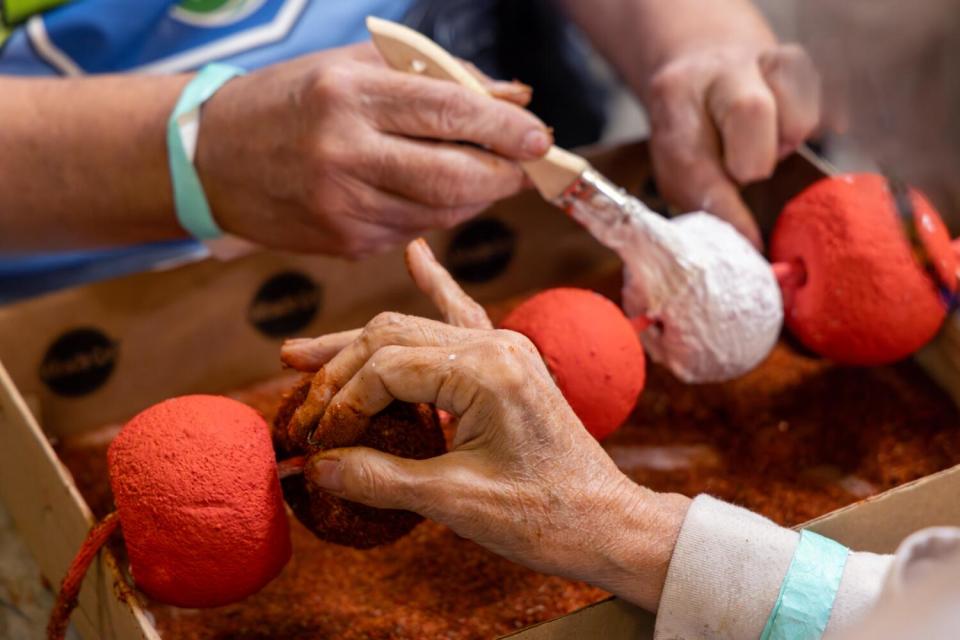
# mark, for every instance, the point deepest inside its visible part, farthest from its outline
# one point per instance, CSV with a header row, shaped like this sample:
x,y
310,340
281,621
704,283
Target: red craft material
x,y
591,349
195,483
864,298
73,580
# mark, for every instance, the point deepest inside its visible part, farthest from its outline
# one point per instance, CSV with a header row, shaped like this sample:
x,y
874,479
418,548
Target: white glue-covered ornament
x,y
713,300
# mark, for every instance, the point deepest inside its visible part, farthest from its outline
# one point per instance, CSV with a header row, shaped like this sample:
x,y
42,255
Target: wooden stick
x,y
640,323
790,275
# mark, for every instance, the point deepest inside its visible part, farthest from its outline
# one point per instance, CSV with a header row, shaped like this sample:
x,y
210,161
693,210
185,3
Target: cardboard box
x,y
92,355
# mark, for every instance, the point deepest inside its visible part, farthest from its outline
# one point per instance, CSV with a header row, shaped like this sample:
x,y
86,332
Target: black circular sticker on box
x,y
481,250
79,362
285,304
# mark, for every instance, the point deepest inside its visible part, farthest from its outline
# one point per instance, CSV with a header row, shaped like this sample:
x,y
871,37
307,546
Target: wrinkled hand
x,y
337,153
523,477
722,116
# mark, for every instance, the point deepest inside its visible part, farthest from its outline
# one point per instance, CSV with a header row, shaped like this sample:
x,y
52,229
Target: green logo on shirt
x,y
214,13
204,6
14,12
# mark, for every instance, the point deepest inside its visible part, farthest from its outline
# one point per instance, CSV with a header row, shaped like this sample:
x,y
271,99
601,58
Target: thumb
x,y
371,477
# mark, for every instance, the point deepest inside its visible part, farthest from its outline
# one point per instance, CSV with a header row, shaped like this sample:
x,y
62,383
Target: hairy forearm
x,y
639,36
83,162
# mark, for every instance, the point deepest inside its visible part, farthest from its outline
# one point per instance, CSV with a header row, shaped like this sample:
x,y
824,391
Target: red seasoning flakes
x,y
795,439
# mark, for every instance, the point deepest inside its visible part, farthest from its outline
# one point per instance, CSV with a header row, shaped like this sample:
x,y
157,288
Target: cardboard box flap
x,y
53,520
877,524
97,354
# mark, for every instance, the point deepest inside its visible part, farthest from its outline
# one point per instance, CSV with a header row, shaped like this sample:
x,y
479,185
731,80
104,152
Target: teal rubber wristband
x,y
193,210
808,590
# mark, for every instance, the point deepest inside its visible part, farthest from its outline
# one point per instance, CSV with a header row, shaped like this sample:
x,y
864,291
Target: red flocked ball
x,y
592,351
866,298
195,483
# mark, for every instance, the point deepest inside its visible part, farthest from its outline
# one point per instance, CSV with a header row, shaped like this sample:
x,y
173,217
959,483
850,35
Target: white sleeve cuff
x,y
726,570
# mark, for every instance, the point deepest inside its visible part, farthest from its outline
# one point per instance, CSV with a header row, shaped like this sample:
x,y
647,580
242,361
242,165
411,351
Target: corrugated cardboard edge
x,y
610,618
54,526
193,321
25,455
877,524
881,522
40,494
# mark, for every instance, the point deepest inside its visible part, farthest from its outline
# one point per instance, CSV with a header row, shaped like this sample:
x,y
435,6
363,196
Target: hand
x,y
337,153
523,478
722,116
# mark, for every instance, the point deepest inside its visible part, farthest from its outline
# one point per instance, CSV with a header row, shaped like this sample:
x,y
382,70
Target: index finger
x,y
393,329
415,106
309,354
456,307
513,91
386,330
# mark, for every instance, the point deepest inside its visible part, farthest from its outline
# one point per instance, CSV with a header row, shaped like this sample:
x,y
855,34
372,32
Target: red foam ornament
x,y
195,483
865,299
591,349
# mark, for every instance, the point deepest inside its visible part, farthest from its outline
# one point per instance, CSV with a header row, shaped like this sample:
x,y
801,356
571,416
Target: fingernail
x,y
503,89
536,143
327,474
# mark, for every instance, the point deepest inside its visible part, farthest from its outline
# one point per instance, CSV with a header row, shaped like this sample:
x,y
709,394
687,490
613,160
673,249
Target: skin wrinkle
x,y
457,394
401,429
480,411
329,156
672,63
524,478
308,414
274,155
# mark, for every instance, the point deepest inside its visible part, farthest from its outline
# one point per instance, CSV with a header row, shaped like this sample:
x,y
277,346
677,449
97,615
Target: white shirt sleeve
x,y
921,598
726,570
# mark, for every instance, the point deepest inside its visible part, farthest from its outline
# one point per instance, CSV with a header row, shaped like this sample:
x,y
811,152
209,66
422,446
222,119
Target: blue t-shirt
x,y
163,36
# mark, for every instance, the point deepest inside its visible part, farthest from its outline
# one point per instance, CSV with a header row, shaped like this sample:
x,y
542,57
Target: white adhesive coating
x,y
714,299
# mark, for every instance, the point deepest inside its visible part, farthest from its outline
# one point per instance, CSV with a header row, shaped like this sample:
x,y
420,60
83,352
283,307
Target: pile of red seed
x,y
795,439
